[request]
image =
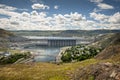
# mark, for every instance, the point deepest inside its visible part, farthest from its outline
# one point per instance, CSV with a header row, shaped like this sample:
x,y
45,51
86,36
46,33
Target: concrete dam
x,y
56,41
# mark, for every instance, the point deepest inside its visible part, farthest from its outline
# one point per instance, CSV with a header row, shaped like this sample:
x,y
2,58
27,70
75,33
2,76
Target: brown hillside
x,y
109,52
5,34
106,40
109,66
112,49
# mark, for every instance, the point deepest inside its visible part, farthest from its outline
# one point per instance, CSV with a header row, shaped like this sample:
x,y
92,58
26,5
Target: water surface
x,y
44,54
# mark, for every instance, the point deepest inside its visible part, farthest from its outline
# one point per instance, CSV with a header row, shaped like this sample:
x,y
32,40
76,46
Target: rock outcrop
x,y
99,71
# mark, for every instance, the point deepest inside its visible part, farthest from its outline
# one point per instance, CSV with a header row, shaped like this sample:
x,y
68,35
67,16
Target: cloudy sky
x,y
59,14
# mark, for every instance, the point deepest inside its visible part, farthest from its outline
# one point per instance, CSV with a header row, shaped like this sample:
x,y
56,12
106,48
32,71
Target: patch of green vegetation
x,y
13,58
91,77
79,53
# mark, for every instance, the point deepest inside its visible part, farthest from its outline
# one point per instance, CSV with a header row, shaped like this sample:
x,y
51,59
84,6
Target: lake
x,y
46,49
44,54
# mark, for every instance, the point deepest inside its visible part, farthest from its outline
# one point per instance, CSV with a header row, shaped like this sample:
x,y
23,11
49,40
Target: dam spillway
x,y
56,41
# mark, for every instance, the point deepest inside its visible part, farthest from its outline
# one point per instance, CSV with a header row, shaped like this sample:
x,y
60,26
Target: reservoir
x,y
44,54
46,49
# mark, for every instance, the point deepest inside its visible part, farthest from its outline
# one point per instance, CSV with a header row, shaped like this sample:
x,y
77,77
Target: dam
x,y
46,48
56,41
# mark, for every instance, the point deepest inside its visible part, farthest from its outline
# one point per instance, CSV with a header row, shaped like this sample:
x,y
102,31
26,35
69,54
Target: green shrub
x,y
79,53
66,57
13,58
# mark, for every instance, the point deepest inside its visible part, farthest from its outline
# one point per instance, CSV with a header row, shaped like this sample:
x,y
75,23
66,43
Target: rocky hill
x,y
4,41
106,39
6,37
5,34
109,66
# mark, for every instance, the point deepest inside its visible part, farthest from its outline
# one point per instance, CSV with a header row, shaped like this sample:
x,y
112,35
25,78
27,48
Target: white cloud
x,y
107,22
4,23
105,6
25,14
36,1
77,17
29,21
101,6
56,7
33,0
96,10
41,21
115,18
96,1
8,13
99,17
39,6
34,13
8,8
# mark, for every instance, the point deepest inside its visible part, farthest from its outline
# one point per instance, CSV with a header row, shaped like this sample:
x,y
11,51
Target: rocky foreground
x,y
99,71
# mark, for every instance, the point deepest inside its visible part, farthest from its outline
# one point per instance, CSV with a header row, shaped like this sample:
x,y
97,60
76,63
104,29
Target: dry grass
x,y
41,71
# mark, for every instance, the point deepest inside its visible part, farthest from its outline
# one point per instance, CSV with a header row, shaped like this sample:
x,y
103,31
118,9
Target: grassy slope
x,y
41,71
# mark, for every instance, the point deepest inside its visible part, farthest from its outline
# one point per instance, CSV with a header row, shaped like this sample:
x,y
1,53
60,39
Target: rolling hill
x,y
4,41
64,33
6,37
5,34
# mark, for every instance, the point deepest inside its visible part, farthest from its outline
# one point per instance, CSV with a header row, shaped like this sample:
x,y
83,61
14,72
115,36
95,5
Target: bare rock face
x,y
99,71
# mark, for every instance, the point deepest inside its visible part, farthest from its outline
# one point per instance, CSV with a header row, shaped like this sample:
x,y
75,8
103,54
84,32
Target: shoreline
x,y
58,57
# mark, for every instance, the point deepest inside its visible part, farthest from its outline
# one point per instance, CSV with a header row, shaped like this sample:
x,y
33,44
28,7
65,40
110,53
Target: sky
x,y
59,14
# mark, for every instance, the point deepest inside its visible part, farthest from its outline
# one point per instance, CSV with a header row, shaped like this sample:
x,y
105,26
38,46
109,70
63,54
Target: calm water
x,y
44,54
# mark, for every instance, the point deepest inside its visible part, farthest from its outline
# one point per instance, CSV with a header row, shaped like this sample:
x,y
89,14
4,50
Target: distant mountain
x,y
64,33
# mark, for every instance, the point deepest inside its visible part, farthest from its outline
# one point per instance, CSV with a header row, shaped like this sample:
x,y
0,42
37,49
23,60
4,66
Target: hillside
x,y
106,39
4,41
64,33
109,70
5,34
111,50
105,66
6,37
